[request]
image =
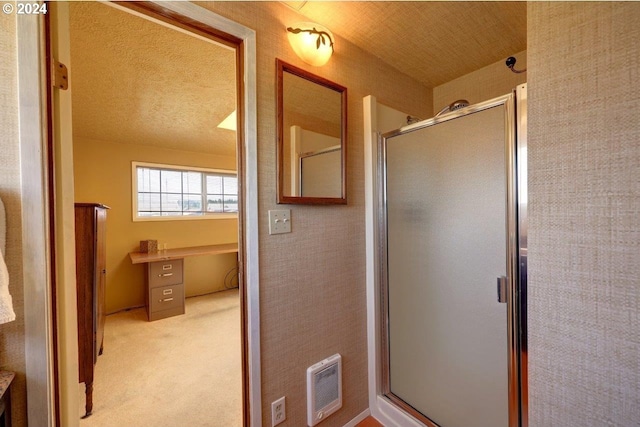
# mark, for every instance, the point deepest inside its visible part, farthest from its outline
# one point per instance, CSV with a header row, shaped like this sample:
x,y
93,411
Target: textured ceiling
x,y
134,81
433,42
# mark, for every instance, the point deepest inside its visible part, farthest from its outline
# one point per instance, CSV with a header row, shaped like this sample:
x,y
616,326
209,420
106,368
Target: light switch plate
x,y
280,221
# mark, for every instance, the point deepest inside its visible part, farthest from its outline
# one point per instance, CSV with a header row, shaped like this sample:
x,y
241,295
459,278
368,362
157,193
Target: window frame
x,y
178,168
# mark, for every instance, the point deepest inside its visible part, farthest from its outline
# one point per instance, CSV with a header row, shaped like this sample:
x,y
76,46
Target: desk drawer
x,y
166,298
165,273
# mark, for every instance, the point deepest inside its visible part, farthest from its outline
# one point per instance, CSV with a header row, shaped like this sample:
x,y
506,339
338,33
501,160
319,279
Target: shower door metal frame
x,y
516,235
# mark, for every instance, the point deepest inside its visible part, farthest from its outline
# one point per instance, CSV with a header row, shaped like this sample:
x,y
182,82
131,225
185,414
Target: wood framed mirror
x,y
312,138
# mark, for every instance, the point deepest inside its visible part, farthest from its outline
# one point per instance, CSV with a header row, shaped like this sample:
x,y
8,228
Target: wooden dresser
x,y
91,274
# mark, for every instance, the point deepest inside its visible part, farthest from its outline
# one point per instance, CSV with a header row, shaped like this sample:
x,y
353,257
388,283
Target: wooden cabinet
x,y
91,275
165,289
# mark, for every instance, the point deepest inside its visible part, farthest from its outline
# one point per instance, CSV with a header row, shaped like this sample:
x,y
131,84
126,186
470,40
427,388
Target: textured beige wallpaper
x,y
481,85
12,334
584,152
312,281
584,194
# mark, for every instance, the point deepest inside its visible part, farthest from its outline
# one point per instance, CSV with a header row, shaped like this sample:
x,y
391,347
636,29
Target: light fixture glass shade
x,y
312,42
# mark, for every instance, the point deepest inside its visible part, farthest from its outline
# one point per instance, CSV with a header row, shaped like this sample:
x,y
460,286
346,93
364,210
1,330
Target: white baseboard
x,y
390,415
354,422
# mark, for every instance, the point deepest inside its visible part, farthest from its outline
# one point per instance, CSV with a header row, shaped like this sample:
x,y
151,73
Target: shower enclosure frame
x,y
515,106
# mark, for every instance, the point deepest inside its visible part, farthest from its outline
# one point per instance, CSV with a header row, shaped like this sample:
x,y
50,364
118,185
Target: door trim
x,y
37,261
166,13
36,250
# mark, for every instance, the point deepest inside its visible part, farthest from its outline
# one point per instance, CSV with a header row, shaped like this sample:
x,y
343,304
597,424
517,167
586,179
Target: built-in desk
x,y
180,253
164,277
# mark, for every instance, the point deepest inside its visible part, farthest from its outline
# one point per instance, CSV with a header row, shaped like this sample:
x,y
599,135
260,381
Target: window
x,y
171,192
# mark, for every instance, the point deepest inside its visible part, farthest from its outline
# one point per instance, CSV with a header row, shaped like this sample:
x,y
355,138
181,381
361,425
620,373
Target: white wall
x,y
481,85
378,118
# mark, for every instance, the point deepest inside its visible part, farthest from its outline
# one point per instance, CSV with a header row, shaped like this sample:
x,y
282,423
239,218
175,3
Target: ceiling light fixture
x,y
313,43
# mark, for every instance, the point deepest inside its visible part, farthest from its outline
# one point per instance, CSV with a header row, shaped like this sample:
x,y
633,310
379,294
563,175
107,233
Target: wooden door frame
x,y
38,166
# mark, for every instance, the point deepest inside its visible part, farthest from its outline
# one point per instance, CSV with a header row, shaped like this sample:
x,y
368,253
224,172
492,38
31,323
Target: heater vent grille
x,y
324,389
326,386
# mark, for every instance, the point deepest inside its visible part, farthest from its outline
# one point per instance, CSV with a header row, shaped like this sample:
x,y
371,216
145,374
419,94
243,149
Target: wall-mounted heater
x,y
324,389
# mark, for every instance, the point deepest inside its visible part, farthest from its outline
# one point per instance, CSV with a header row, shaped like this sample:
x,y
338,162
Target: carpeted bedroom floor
x,y
180,371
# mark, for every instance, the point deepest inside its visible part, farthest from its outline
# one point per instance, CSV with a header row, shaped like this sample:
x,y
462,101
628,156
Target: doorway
x,y
243,45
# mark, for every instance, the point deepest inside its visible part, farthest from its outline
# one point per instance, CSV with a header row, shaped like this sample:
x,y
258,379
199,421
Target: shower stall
x,y
450,266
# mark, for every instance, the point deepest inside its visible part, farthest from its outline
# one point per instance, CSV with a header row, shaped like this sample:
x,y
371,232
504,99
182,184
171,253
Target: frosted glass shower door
x,y
446,239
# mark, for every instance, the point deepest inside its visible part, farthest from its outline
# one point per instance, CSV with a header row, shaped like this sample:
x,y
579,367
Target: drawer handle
x,y
167,266
166,300
167,292
165,275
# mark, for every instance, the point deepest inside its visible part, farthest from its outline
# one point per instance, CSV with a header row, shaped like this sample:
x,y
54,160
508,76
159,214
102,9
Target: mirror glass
x,y
311,138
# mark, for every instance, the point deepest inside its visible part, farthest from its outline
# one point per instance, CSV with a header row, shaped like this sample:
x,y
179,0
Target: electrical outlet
x,y
278,414
280,221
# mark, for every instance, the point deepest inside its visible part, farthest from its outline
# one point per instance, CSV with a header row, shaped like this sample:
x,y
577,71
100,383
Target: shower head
x,y
460,103
412,119
455,105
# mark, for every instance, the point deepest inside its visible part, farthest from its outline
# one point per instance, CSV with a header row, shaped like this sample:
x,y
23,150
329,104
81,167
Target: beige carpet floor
x,y
180,371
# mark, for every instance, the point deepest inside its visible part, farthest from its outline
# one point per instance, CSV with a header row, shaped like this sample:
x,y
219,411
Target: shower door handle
x,y
502,289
